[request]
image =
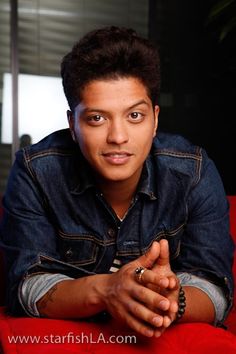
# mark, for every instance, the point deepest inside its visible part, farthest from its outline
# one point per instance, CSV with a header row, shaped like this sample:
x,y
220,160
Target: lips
x,y
117,157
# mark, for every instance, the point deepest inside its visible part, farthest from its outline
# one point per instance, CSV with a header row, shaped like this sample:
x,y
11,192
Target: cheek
x,y
145,135
144,141
85,145
82,138
92,139
88,145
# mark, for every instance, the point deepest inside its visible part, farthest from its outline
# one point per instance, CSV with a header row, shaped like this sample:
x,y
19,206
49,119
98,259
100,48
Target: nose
x,y
117,132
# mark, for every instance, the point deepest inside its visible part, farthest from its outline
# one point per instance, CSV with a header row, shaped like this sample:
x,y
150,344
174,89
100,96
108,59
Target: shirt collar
x,y
147,184
83,179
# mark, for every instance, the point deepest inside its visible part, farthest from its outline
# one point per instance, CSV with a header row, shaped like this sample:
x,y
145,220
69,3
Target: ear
x,y
71,122
156,114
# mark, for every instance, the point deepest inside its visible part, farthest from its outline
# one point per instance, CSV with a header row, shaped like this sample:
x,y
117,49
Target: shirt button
x,y
226,280
152,196
111,233
69,253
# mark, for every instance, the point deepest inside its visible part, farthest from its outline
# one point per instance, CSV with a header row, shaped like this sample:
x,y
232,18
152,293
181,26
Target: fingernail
x,y
157,321
167,321
148,332
163,282
157,334
164,305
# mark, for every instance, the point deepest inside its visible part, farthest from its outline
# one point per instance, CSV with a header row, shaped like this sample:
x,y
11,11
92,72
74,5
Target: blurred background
x,y
196,40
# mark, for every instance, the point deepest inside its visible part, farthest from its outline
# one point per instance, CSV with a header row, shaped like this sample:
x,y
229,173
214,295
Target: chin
x,y
116,177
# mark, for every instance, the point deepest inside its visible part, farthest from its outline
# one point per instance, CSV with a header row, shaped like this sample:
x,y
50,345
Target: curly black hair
x,y
110,53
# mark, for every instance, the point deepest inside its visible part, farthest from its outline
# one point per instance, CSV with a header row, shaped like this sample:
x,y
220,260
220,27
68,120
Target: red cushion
x,y
232,201
192,338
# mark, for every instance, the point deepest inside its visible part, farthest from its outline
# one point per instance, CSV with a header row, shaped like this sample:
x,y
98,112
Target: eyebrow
x,y
138,103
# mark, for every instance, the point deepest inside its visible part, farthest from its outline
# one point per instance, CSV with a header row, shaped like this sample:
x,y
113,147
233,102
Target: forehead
x,y
120,90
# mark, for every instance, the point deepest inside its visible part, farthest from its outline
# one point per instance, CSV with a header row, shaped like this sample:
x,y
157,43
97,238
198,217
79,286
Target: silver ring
x,y
139,273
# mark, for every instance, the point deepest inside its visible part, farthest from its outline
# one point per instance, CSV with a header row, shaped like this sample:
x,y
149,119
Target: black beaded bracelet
x,y
182,304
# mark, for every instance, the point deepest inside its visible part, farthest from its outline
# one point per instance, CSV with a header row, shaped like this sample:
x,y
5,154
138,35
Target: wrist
x,y
99,288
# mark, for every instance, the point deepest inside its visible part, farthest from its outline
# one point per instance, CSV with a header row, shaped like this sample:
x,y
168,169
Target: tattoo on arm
x,y
43,302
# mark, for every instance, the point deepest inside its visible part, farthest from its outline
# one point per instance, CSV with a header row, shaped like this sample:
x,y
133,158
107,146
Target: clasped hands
x,y
147,304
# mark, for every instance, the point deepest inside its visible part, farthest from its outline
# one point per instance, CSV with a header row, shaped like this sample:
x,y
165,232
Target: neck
x,y
118,191
119,194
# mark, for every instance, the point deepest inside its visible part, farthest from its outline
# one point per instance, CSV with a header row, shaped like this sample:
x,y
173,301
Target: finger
x,y
149,277
143,313
139,326
158,332
151,298
170,315
173,307
164,283
150,257
167,320
171,282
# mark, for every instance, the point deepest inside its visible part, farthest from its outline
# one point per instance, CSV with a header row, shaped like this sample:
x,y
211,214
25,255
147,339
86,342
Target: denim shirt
x,y
56,220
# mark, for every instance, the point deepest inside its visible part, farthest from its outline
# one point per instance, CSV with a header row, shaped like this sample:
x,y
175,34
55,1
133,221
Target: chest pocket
x,y
80,250
173,236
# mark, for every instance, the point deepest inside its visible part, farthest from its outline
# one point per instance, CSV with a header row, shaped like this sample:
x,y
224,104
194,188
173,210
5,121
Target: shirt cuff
x,y
35,287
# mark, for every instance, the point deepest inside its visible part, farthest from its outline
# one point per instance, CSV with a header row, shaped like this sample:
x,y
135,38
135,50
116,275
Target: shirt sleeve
x,y
205,246
28,234
35,287
214,292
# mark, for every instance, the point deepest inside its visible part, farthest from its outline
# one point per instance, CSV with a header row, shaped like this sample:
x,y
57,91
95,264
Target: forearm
x,y
199,307
214,292
82,297
75,298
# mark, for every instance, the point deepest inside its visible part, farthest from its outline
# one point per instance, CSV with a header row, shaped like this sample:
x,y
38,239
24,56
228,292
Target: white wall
x,y
42,107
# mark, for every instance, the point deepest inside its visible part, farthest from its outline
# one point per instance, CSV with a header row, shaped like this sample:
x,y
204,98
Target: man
x,y
107,217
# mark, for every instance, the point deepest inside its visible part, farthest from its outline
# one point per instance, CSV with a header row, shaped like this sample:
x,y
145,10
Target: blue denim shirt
x,y
56,220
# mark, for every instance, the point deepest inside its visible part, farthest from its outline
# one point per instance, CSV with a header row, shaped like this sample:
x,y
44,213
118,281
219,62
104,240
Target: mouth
x,y
117,157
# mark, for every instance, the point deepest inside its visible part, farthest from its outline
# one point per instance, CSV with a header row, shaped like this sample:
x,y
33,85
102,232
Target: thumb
x,y
148,259
163,260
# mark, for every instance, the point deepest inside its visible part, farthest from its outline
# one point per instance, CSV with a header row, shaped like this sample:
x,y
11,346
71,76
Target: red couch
x,y
34,336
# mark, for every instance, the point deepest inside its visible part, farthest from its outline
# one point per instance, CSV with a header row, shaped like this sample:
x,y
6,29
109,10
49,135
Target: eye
x,y
136,116
96,119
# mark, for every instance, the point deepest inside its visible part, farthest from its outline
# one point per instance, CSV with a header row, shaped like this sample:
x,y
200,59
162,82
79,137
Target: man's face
x,y
114,125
